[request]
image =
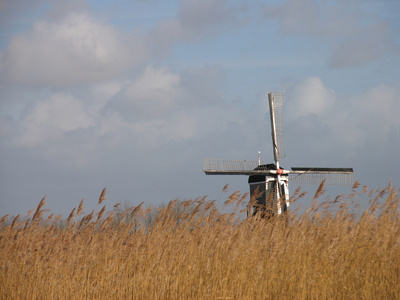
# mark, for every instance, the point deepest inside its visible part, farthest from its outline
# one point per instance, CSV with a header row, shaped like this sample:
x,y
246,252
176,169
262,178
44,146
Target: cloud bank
x,y
89,101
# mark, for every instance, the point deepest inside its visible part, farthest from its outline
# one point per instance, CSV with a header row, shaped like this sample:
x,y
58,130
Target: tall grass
x,y
193,250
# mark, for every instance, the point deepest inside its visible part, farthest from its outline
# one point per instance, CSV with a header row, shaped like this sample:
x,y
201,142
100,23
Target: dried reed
x,y
192,250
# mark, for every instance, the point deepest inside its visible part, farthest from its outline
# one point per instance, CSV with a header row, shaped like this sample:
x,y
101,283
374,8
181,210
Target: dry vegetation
x,y
192,250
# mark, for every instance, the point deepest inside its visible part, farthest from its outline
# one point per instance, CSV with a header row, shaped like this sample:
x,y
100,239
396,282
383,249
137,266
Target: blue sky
x,y
132,95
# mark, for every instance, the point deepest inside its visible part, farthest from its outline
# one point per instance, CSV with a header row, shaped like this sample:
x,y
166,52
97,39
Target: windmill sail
x,y
270,179
303,175
214,166
332,176
276,117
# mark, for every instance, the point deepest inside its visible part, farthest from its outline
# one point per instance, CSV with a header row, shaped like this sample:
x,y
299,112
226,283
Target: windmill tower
x,y
269,183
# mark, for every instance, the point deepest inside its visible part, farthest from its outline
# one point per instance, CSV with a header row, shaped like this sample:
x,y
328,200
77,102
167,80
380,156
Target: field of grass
x,y
195,250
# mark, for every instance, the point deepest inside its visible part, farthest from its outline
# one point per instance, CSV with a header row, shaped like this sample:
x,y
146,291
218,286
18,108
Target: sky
x,y
133,95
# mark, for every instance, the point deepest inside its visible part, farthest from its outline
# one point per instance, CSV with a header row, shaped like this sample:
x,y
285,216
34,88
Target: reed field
x,y
199,250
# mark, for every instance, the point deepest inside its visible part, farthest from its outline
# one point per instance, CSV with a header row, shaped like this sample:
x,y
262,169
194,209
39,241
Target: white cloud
x,y
158,92
152,94
310,96
61,111
371,116
48,120
329,124
75,50
111,121
160,106
154,109
155,92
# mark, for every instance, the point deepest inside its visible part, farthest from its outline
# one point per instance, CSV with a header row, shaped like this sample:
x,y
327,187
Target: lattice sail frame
x,y
215,166
304,175
276,101
332,176
309,175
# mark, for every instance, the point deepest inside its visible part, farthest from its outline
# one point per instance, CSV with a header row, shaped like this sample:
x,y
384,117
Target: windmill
x,y
269,183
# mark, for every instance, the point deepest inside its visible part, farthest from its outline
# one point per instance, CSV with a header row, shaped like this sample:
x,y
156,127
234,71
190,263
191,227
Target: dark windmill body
x,y
269,183
263,191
